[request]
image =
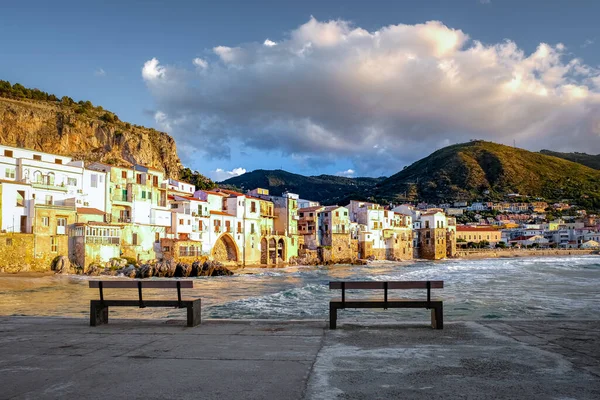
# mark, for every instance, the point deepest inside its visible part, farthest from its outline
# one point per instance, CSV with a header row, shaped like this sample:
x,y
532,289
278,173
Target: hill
x,y
328,189
484,170
589,160
37,120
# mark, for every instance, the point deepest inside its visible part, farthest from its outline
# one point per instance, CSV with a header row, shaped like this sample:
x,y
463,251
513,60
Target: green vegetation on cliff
x,y
589,160
328,189
485,170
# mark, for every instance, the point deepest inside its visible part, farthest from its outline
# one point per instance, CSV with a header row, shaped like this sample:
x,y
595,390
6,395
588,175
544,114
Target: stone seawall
x,y
500,253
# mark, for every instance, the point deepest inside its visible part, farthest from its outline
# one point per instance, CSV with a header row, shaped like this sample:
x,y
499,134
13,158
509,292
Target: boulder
x,y
183,270
129,271
110,272
165,268
145,271
220,270
196,269
62,265
94,269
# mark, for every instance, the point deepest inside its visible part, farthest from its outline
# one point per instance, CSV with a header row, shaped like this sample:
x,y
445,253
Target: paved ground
x,y
46,358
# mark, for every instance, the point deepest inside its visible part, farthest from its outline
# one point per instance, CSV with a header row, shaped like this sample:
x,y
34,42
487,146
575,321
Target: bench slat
x,y
130,284
391,285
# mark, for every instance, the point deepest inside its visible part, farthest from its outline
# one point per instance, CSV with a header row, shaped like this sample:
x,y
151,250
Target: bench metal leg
x,y
193,313
98,313
332,316
437,317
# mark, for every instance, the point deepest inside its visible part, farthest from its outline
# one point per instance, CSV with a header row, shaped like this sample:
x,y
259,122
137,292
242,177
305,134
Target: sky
x,y
352,88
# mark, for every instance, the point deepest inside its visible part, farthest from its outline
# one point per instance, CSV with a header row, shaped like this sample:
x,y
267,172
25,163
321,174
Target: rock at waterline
x,y
145,271
183,270
62,265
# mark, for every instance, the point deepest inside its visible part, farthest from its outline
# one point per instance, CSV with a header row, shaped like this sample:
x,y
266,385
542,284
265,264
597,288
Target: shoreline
x,y
461,255
510,253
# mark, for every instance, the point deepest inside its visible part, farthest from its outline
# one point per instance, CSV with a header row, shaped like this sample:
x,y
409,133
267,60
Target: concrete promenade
x,y
60,358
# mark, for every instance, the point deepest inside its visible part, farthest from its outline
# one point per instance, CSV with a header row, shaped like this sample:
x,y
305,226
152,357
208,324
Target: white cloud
x,y
380,99
100,72
220,174
200,63
269,43
152,70
347,173
586,43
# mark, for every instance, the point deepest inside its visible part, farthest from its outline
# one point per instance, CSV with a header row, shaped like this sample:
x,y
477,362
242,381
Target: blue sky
x,y
242,107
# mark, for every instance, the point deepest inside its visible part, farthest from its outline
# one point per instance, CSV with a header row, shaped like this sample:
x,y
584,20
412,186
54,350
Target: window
x,y
9,173
124,174
50,179
345,213
48,200
252,229
37,157
253,206
239,227
134,239
61,224
45,221
143,194
181,221
138,178
228,226
57,161
71,182
337,213
166,249
94,180
301,215
20,198
54,244
155,181
200,226
8,153
156,237
101,178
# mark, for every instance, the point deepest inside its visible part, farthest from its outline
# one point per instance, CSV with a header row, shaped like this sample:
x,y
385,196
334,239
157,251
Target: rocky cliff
x,y
84,132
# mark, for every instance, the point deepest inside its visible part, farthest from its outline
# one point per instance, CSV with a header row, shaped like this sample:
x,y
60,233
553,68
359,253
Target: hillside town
x,y
92,213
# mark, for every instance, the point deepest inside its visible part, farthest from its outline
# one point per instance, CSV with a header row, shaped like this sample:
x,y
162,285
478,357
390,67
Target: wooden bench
x,y
436,306
99,308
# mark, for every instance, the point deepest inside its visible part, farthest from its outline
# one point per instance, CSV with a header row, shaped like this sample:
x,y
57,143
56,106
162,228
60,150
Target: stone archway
x,y
281,250
264,251
225,249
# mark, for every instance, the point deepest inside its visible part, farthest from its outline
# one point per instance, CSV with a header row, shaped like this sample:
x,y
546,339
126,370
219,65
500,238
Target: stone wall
x,y
16,254
432,243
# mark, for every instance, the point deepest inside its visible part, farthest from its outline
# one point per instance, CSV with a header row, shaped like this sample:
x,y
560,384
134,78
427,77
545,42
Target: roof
x,y
229,192
524,237
214,193
309,209
189,198
331,208
90,211
98,224
221,213
464,228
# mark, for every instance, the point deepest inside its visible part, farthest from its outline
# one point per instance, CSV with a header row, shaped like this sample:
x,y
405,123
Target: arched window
x,y
37,177
50,178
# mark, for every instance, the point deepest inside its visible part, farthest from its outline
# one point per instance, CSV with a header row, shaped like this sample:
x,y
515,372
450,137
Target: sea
x,y
510,288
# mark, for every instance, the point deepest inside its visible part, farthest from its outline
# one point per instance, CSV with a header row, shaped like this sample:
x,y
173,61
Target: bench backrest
x,y
382,285
135,283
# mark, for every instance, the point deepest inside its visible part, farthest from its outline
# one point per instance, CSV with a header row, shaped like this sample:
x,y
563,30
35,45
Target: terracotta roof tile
x,y
90,211
221,213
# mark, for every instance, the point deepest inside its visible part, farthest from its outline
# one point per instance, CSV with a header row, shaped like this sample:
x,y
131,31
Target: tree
x,y
501,245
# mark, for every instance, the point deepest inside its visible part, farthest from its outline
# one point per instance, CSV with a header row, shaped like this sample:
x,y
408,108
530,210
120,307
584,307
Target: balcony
x,y
40,185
